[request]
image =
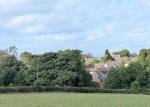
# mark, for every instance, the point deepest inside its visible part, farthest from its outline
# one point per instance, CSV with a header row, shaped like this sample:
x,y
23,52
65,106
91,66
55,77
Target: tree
x,y
65,78
144,54
124,53
91,65
87,55
64,68
116,79
26,58
143,79
9,68
12,51
135,85
124,77
108,56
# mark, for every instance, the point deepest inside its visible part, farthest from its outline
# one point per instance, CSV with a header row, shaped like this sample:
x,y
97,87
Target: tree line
x,y
67,68
62,68
135,76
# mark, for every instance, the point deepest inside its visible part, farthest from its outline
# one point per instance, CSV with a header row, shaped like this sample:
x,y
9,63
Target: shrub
x,y
91,65
40,82
71,89
135,85
121,78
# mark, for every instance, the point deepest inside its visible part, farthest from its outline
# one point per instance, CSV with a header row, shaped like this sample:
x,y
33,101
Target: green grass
x,y
73,100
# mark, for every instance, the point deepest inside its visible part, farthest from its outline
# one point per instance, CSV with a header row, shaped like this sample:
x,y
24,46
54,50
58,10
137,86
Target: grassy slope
x,y
73,100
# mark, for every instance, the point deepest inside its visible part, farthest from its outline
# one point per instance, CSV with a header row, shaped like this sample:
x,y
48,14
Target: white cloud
x,y
7,3
63,5
19,21
51,37
33,29
91,37
100,33
89,22
109,27
62,16
1,24
24,21
138,33
145,2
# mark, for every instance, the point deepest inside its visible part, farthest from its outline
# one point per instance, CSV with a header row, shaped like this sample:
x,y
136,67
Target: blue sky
x,y
90,25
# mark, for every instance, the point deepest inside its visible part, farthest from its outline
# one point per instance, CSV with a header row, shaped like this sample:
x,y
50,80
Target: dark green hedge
x,y
71,89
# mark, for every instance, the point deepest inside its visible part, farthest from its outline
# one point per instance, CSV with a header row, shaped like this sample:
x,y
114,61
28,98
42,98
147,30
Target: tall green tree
x,y
125,77
64,68
108,56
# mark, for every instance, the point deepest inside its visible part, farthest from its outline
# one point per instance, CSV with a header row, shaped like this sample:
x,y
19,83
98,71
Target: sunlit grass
x,y
73,100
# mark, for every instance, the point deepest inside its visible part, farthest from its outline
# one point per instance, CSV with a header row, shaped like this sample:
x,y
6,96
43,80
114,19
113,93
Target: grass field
x,y
73,100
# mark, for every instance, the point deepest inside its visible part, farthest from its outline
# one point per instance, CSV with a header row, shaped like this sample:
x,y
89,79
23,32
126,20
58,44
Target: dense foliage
x,y
67,68
92,64
124,53
144,54
63,68
134,76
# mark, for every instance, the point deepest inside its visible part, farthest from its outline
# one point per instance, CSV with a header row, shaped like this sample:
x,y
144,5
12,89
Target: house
x,y
100,70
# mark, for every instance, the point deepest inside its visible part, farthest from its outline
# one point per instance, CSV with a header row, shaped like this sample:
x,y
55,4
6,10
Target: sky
x,y
92,26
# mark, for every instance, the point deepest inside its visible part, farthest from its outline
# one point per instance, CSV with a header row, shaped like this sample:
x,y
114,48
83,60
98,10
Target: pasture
x,y
73,100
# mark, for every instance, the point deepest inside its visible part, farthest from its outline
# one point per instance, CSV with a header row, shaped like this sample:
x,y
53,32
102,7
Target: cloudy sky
x,y
90,25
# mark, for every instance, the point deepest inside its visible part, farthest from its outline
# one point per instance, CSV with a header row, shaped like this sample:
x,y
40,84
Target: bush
x,y
40,82
91,65
116,79
122,78
135,85
71,89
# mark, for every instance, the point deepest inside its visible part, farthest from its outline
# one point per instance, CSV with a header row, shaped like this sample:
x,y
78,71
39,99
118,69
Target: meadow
x,y
73,100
